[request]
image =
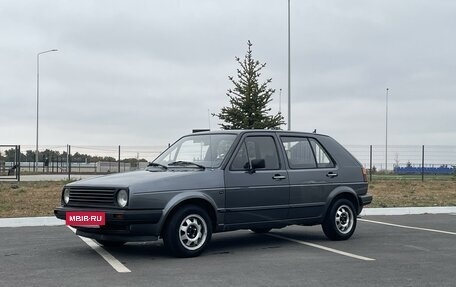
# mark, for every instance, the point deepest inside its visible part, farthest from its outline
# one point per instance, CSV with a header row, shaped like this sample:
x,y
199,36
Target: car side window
x,y
299,152
323,160
256,147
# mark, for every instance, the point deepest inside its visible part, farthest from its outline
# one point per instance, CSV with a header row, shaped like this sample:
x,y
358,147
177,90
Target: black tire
x,y
188,231
110,243
261,230
340,221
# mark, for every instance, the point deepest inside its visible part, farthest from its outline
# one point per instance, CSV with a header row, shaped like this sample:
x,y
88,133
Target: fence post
x,y
18,167
370,163
118,165
69,162
422,163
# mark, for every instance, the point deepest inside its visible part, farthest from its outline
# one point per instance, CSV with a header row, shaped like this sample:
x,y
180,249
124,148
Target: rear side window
x,y
259,147
305,152
299,152
323,160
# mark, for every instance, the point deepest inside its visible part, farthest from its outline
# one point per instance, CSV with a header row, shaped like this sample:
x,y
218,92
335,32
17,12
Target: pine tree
x,y
249,99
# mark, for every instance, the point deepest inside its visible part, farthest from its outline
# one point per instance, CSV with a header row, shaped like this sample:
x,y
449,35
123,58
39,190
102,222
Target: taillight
x,y
364,171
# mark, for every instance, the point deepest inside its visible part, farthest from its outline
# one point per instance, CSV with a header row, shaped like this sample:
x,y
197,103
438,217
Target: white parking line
x,y
408,227
323,247
116,264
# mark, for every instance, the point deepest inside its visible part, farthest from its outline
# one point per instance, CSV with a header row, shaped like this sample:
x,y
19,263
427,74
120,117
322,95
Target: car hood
x,y
147,181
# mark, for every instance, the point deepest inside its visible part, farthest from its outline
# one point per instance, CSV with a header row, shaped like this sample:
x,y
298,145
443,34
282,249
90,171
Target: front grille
x,y
92,197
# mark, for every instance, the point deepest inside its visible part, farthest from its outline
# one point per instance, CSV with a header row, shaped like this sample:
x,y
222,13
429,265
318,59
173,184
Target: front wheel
x,y
188,231
340,221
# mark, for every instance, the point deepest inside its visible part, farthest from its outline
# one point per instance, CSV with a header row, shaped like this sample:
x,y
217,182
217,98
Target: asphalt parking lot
x,y
414,250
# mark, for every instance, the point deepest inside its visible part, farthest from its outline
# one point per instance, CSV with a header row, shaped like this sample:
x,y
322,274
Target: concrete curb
x,y
30,221
409,210
52,221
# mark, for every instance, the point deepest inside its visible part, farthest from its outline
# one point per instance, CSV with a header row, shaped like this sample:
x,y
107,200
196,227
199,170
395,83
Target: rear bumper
x,y
121,225
365,199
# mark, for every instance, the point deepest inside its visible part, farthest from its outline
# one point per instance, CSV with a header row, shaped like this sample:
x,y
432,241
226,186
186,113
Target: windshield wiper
x,y
154,164
186,163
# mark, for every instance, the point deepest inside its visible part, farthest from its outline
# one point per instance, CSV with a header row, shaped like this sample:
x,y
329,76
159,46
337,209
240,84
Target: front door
x,y
260,195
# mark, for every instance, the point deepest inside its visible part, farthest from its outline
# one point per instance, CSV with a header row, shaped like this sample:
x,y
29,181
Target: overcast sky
x,y
147,72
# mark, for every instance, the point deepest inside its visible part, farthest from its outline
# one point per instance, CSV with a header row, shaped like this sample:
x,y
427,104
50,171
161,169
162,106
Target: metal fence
x,y
402,155
12,168
406,159
79,159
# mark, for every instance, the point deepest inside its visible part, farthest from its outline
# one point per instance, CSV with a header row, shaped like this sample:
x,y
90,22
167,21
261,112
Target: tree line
x,y
56,156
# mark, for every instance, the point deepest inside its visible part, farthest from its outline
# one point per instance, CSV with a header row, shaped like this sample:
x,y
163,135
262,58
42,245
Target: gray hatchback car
x,y
225,180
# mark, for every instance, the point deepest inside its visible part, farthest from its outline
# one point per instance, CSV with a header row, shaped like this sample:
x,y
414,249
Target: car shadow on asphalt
x,y
221,243
151,250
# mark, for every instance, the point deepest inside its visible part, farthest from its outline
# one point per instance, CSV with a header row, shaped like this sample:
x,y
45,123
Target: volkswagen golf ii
x,y
225,180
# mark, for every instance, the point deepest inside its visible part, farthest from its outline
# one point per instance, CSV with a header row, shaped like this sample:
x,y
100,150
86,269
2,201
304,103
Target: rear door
x,y
260,196
311,171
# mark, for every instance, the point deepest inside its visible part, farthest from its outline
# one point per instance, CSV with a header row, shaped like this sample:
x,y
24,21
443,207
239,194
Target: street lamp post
x,y
38,99
289,76
386,132
280,101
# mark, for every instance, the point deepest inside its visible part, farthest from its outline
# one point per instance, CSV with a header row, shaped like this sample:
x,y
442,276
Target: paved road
x,y
54,256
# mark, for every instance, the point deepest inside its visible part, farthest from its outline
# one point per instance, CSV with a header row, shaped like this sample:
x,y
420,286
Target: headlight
x,y
66,195
122,198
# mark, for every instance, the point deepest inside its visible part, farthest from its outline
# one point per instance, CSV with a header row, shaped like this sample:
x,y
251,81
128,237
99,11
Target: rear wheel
x,y
340,221
261,230
110,243
188,231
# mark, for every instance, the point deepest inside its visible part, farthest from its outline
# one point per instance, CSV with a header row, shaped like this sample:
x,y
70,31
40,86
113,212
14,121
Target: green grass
x,y
29,198
403,192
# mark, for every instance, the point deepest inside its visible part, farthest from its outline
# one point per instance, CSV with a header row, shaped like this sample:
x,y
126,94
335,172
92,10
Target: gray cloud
x,y
145,72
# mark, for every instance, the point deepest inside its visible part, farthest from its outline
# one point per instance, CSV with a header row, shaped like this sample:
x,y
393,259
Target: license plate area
x,y
86,218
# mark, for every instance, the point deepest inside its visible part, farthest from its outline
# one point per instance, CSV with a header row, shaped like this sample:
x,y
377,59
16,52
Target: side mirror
x,y
257,163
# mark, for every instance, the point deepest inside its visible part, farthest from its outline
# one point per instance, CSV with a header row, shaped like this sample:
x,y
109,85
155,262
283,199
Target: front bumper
x,y
120,225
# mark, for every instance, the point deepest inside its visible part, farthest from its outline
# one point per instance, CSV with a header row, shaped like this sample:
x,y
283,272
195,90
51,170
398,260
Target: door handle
x,y
331,174
278,177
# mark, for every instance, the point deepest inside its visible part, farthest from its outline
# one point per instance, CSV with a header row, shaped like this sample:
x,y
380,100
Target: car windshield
x,y
207,151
